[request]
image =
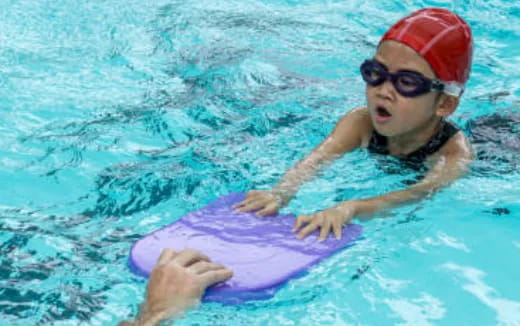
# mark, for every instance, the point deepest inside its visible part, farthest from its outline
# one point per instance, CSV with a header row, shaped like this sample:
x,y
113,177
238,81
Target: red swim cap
x,y
442,38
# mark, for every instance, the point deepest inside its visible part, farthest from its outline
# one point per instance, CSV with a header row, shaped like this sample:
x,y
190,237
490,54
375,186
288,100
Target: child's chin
x,y
384,130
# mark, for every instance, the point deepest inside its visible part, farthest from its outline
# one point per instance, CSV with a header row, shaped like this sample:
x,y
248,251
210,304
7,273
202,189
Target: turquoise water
x,y
119,117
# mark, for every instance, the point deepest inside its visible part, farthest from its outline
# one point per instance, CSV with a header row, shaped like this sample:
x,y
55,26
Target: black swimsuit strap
x,y
379,143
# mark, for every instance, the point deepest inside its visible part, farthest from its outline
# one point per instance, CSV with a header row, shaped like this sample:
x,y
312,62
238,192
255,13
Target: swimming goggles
x,y
406,83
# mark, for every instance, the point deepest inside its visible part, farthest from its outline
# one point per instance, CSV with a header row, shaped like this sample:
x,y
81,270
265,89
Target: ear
x,y
446,105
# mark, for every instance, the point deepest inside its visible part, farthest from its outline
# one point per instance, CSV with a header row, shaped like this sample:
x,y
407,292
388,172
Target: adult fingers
x,y
308,229
166,255
204,266
214,276
301,221
189,256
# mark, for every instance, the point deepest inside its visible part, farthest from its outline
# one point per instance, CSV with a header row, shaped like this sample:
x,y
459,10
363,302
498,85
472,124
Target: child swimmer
x,y
414,82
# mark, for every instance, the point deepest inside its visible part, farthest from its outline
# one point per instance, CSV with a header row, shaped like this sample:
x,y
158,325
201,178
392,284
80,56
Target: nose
x,y
386,90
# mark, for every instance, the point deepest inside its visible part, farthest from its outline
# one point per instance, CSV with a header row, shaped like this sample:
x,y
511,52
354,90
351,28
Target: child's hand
x,y
333,218
266,201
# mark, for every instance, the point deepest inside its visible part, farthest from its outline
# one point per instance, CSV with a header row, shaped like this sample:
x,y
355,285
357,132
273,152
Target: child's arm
x,y
346,136
451,163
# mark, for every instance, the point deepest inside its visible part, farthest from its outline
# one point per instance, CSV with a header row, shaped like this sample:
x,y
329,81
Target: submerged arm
x,y
451,164
346,136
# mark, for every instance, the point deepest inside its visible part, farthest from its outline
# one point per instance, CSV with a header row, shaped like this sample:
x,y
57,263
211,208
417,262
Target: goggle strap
x,y
453,88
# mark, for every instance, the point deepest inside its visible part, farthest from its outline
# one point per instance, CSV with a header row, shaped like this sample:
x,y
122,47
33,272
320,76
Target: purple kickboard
x,y
263,252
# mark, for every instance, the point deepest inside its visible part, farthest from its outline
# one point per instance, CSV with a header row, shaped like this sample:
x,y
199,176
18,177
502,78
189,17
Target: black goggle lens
x,y
406,83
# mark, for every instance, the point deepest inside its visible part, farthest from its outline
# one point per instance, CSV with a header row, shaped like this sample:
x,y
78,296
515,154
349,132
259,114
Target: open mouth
x,y
383,112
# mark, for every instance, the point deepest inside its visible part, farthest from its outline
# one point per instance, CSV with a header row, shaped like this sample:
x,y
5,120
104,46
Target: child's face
x,y
393,114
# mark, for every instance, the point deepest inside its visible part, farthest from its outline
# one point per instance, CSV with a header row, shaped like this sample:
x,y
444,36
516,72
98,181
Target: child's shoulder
x,y
359,116
458,144
359,121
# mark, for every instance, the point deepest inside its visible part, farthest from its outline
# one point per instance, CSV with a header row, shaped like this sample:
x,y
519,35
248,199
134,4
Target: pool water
x,y
119,117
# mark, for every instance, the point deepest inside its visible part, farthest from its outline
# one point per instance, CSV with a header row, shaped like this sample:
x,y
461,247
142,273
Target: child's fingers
x,y
308,229
301,221
243,203
252,193
237,205
269,209
250,197
325,230
256,204
337,228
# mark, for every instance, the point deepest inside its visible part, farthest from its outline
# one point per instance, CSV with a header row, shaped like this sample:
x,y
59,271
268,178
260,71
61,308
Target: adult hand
x,y
265,202
331,219
177,283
